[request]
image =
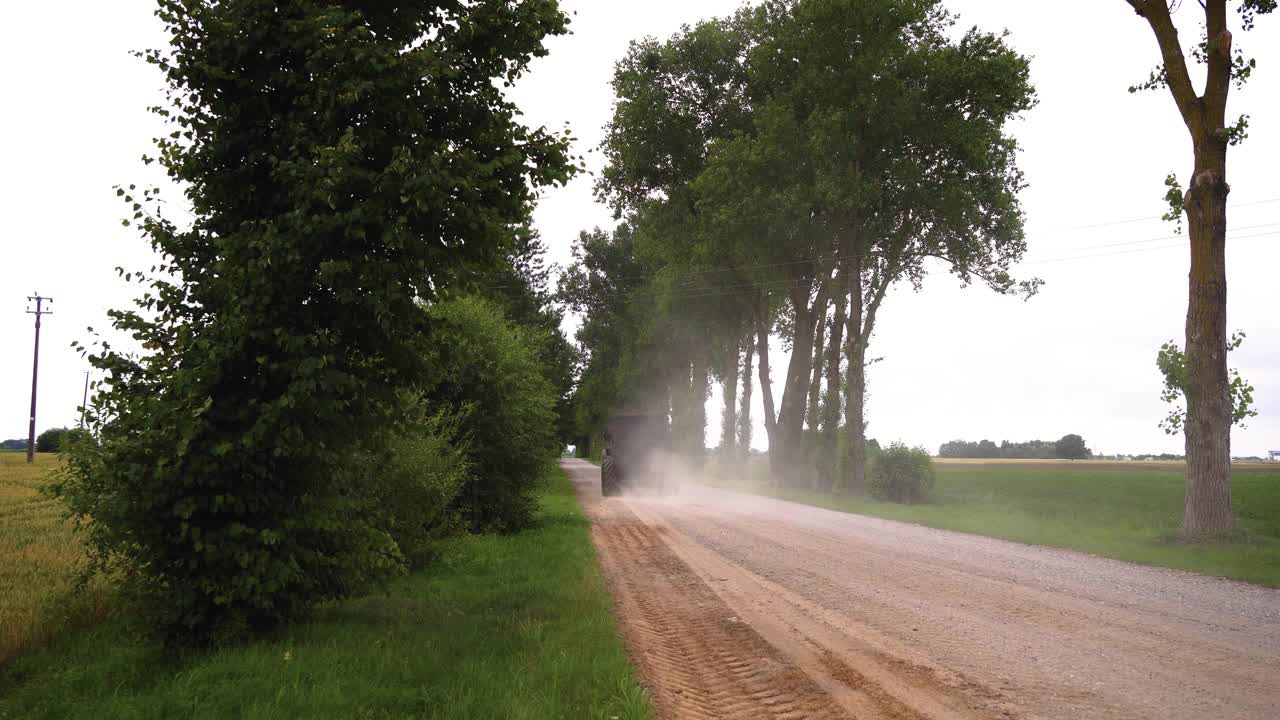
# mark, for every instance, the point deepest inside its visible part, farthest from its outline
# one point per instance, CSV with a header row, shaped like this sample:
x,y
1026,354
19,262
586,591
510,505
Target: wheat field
x,y
40,559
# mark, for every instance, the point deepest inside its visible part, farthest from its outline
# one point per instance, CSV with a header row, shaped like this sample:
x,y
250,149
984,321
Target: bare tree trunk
x,y
855,400
855,386
830,424
1207,502
675,394
699,388
744,414
729,417
766,390
795,388
813,413
681,405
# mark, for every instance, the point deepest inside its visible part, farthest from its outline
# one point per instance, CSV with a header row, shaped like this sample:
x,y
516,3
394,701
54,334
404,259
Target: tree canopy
x,y
802,156
345,164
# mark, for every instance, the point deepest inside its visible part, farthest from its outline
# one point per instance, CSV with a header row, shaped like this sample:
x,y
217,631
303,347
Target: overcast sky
x,y
958,363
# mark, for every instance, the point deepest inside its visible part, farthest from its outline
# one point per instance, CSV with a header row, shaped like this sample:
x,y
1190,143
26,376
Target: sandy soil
x,y
736,606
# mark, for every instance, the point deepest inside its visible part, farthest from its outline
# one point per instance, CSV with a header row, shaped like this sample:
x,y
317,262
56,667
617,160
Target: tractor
x,y
636,453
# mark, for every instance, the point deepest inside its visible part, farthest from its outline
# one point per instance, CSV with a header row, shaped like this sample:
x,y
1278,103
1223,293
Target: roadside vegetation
x,y
1122,510
320,480
350,348
499,626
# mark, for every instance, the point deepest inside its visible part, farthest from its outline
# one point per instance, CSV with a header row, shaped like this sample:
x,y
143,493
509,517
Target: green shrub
x,y
214,545
490,368
420,474
902,474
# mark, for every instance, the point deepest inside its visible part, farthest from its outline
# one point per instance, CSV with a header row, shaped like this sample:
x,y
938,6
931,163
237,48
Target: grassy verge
x,y
39,560
1127,511
499,627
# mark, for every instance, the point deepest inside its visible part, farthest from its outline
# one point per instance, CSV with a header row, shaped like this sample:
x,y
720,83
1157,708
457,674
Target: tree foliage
x,y
902,474
344,161
1072,447
488,368
416,478
1172,362
521,287
801,150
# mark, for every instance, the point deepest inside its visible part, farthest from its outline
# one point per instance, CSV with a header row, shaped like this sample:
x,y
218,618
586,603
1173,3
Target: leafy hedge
x,y
489,370
417,478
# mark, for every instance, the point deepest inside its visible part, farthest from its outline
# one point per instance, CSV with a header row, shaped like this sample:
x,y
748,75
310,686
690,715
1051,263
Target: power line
x,y
1148,249
807,260
1161,217
1168,237
780,285
788,284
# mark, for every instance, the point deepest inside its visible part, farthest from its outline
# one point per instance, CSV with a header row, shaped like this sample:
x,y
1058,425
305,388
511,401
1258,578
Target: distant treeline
x,y
12,445
1173,457
1069,447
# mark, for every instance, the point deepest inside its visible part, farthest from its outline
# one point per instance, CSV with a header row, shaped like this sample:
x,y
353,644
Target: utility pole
x,y
35,368
85,402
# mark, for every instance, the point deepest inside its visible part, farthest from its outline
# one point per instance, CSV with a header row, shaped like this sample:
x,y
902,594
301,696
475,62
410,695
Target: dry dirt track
x,y
735,606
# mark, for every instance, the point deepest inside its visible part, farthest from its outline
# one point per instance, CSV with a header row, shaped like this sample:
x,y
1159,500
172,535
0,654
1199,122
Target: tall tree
x,y
744,413
1207,497
343,161
751,198
832,400
880,142
673,99
610,285
728,370
910,158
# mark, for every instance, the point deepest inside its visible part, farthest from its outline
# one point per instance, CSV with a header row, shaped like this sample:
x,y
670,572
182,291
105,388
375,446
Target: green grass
x,y
498,627
39,560
1127,511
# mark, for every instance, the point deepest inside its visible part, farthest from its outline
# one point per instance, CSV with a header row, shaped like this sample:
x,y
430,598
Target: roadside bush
x,y
420,474
901,474
213,547
489,367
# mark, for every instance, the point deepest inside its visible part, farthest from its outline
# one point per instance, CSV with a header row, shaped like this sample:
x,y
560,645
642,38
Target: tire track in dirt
x,y
696,658
706,647
1053,634
892,620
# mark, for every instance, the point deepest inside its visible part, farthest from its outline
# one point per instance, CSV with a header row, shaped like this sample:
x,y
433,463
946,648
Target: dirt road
x,y
736,606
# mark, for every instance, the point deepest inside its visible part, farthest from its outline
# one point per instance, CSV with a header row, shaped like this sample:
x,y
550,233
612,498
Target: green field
x,y
39,560
1123,510
499,627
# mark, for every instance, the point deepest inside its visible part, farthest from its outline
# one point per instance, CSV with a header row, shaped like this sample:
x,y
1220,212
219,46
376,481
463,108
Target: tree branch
x,y
869,324
1157,15
1219,60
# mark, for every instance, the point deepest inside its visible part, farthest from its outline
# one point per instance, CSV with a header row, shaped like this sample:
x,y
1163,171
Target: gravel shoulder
x,y
839,615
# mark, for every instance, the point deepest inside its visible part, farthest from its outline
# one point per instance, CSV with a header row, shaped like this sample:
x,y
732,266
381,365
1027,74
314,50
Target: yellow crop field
x,y
39,559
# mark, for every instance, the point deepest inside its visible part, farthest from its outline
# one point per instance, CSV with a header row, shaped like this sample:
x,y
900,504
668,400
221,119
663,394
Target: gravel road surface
x,y
737,606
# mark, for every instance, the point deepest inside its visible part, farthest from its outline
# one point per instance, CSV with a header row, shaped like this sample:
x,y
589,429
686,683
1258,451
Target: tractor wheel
x,y
609,477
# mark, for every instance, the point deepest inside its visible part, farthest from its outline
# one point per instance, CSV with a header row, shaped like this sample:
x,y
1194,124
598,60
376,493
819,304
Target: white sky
x,y
1080,357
